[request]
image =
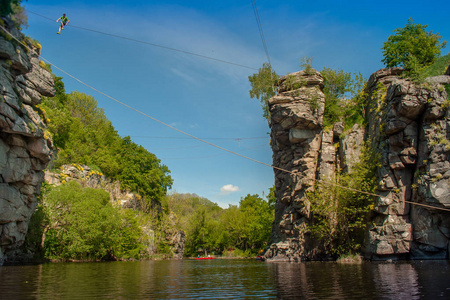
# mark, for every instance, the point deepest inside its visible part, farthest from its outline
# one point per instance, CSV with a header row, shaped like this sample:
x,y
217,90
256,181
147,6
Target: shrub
x,y
83,224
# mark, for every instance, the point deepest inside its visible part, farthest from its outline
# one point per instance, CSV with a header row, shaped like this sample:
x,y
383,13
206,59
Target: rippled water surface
x,y
227,279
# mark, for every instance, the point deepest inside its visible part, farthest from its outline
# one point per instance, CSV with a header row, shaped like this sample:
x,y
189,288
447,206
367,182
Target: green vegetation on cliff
x,y
414,49
15,11
412,45
82,134
338,86
340,212
264,85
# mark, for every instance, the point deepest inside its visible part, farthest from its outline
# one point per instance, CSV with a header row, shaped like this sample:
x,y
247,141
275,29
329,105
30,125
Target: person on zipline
x,y
64,21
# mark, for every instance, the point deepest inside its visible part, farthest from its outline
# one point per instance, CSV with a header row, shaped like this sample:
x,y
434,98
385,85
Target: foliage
x,y
263,86
337,85
211,229
412,47
83,134
306,65
258,217
340,214
81,223
438,67
13,9
6,6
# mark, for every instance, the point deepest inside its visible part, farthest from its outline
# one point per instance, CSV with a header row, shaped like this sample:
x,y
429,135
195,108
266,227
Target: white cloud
x,y
229,188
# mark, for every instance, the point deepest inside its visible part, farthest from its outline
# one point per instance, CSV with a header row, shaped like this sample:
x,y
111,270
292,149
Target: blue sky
x,y
206,98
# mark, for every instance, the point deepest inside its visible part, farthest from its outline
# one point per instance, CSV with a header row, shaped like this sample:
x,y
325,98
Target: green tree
x,y
336,85
263,86
15,11
259,216
344,97
141,171
83,134
81,223
6,6
412,46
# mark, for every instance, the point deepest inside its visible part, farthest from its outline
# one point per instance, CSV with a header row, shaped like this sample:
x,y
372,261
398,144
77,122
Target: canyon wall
x,y
407,125
25,147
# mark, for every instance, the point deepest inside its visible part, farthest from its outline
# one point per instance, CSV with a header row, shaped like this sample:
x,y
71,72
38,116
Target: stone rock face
x,y
296,134
177,242
25,149
408,125
93,179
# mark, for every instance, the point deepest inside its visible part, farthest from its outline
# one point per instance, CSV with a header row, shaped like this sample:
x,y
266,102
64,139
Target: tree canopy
x,y
412,45
264,85
83,134
245,228
81,223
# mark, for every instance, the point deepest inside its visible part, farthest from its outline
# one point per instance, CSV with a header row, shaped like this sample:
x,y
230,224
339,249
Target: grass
x,y
438,67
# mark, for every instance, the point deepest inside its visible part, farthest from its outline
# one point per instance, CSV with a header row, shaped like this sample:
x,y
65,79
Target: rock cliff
x,y
25,148
296,138
407,124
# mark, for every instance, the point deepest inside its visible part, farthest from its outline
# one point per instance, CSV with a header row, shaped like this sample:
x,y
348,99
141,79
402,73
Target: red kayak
x,y
205,258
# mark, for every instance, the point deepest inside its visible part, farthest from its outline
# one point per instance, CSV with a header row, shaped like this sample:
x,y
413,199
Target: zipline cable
x,y
148,43
295,173
208,138
261,33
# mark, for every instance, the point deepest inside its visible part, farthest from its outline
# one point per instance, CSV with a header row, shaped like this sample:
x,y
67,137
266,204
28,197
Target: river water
x,y
226,279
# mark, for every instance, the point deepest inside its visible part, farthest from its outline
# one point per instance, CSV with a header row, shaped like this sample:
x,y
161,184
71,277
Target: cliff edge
x,y
25,148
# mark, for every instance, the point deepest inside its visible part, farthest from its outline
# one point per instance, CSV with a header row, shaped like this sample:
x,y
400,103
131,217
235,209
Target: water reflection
x,y
188,279
323,280
397,281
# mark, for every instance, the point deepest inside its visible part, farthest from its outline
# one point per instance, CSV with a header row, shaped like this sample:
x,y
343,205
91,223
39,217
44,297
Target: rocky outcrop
x,y
296,138
408,125
25,147
94,179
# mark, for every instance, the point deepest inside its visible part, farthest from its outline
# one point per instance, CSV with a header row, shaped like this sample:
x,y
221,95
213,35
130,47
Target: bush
x,y
81,223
